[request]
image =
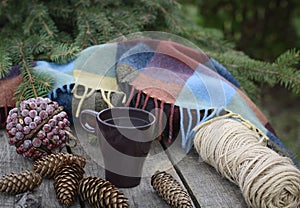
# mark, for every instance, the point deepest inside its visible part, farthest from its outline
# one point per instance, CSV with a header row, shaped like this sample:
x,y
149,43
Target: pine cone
x,y
15,183
47,166
38,127
66,182
170,190
100,193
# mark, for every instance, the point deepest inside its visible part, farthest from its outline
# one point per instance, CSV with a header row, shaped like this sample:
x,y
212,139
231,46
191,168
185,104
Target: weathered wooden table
x,y
205,186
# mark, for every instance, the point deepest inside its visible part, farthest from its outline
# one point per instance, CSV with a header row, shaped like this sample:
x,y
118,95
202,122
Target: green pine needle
x,y
40,88
280,72
5,63
288,59
56,31
63,53
39,21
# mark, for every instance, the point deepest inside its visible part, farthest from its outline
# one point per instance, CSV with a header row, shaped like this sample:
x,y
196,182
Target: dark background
x,y
263,29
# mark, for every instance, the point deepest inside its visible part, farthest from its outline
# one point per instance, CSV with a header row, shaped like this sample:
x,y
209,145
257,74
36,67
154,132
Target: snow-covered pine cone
x,y
38,127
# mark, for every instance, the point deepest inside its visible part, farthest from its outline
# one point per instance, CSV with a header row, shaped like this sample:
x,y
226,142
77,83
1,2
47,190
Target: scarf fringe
x,y
185,116
64,89
145,102
137,103
106,98
130,96
171,123
183,136
160,120
86,94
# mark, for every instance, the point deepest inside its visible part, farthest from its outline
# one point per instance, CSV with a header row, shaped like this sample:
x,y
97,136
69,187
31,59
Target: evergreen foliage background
x,y
263,30
55,30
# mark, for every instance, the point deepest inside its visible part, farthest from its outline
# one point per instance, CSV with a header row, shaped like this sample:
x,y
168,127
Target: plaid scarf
x,y
183,83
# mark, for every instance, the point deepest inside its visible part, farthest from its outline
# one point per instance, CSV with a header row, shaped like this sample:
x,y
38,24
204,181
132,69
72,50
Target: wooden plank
x,y
209,188
12,162
205,185
142,195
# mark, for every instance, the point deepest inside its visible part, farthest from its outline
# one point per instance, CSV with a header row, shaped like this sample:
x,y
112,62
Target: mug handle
x,y
82,119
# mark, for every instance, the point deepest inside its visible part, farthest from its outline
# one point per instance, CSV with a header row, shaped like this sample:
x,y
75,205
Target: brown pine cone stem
x,y
170,190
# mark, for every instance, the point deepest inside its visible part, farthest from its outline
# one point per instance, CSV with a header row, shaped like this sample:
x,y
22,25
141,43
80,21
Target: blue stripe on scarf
x,y
224,72
208,91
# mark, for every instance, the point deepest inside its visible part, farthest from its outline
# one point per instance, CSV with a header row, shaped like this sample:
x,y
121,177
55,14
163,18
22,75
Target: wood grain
x,y
142,195
206,187
12,162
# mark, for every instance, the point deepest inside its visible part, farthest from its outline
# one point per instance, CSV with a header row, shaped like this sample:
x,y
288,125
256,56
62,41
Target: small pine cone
x,y
66,182
16,183
47,166
170,190
100,193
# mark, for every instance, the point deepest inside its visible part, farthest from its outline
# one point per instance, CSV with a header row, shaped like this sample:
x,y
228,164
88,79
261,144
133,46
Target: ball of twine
x,y
238,153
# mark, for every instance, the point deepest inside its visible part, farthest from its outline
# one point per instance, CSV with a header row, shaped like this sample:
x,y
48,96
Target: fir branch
x,y
47,28
82,3
34,84
85,33
169,18
59,11
22,91
40,44
25,66
39,21
51,32
263,72
63,53
288,59
43,83
209,40
5,63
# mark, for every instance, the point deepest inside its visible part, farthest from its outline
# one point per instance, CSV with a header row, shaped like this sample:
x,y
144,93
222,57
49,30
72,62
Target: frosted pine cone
x,y
100,193
47,166
38,127
66,182
170,190
15,183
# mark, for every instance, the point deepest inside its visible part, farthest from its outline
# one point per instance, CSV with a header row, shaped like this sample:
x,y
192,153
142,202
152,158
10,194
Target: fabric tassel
x,y
130,97
106,98
171,123
156,108
69,90
82,97
62,89
181,115
145,102
138,98
191,134
54,93
189,139
160,120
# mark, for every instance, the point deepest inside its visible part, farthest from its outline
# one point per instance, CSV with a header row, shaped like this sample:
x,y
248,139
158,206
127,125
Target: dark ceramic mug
x,y
125,135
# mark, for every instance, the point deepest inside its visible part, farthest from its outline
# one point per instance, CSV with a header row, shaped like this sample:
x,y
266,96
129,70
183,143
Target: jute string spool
x,y
238,152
